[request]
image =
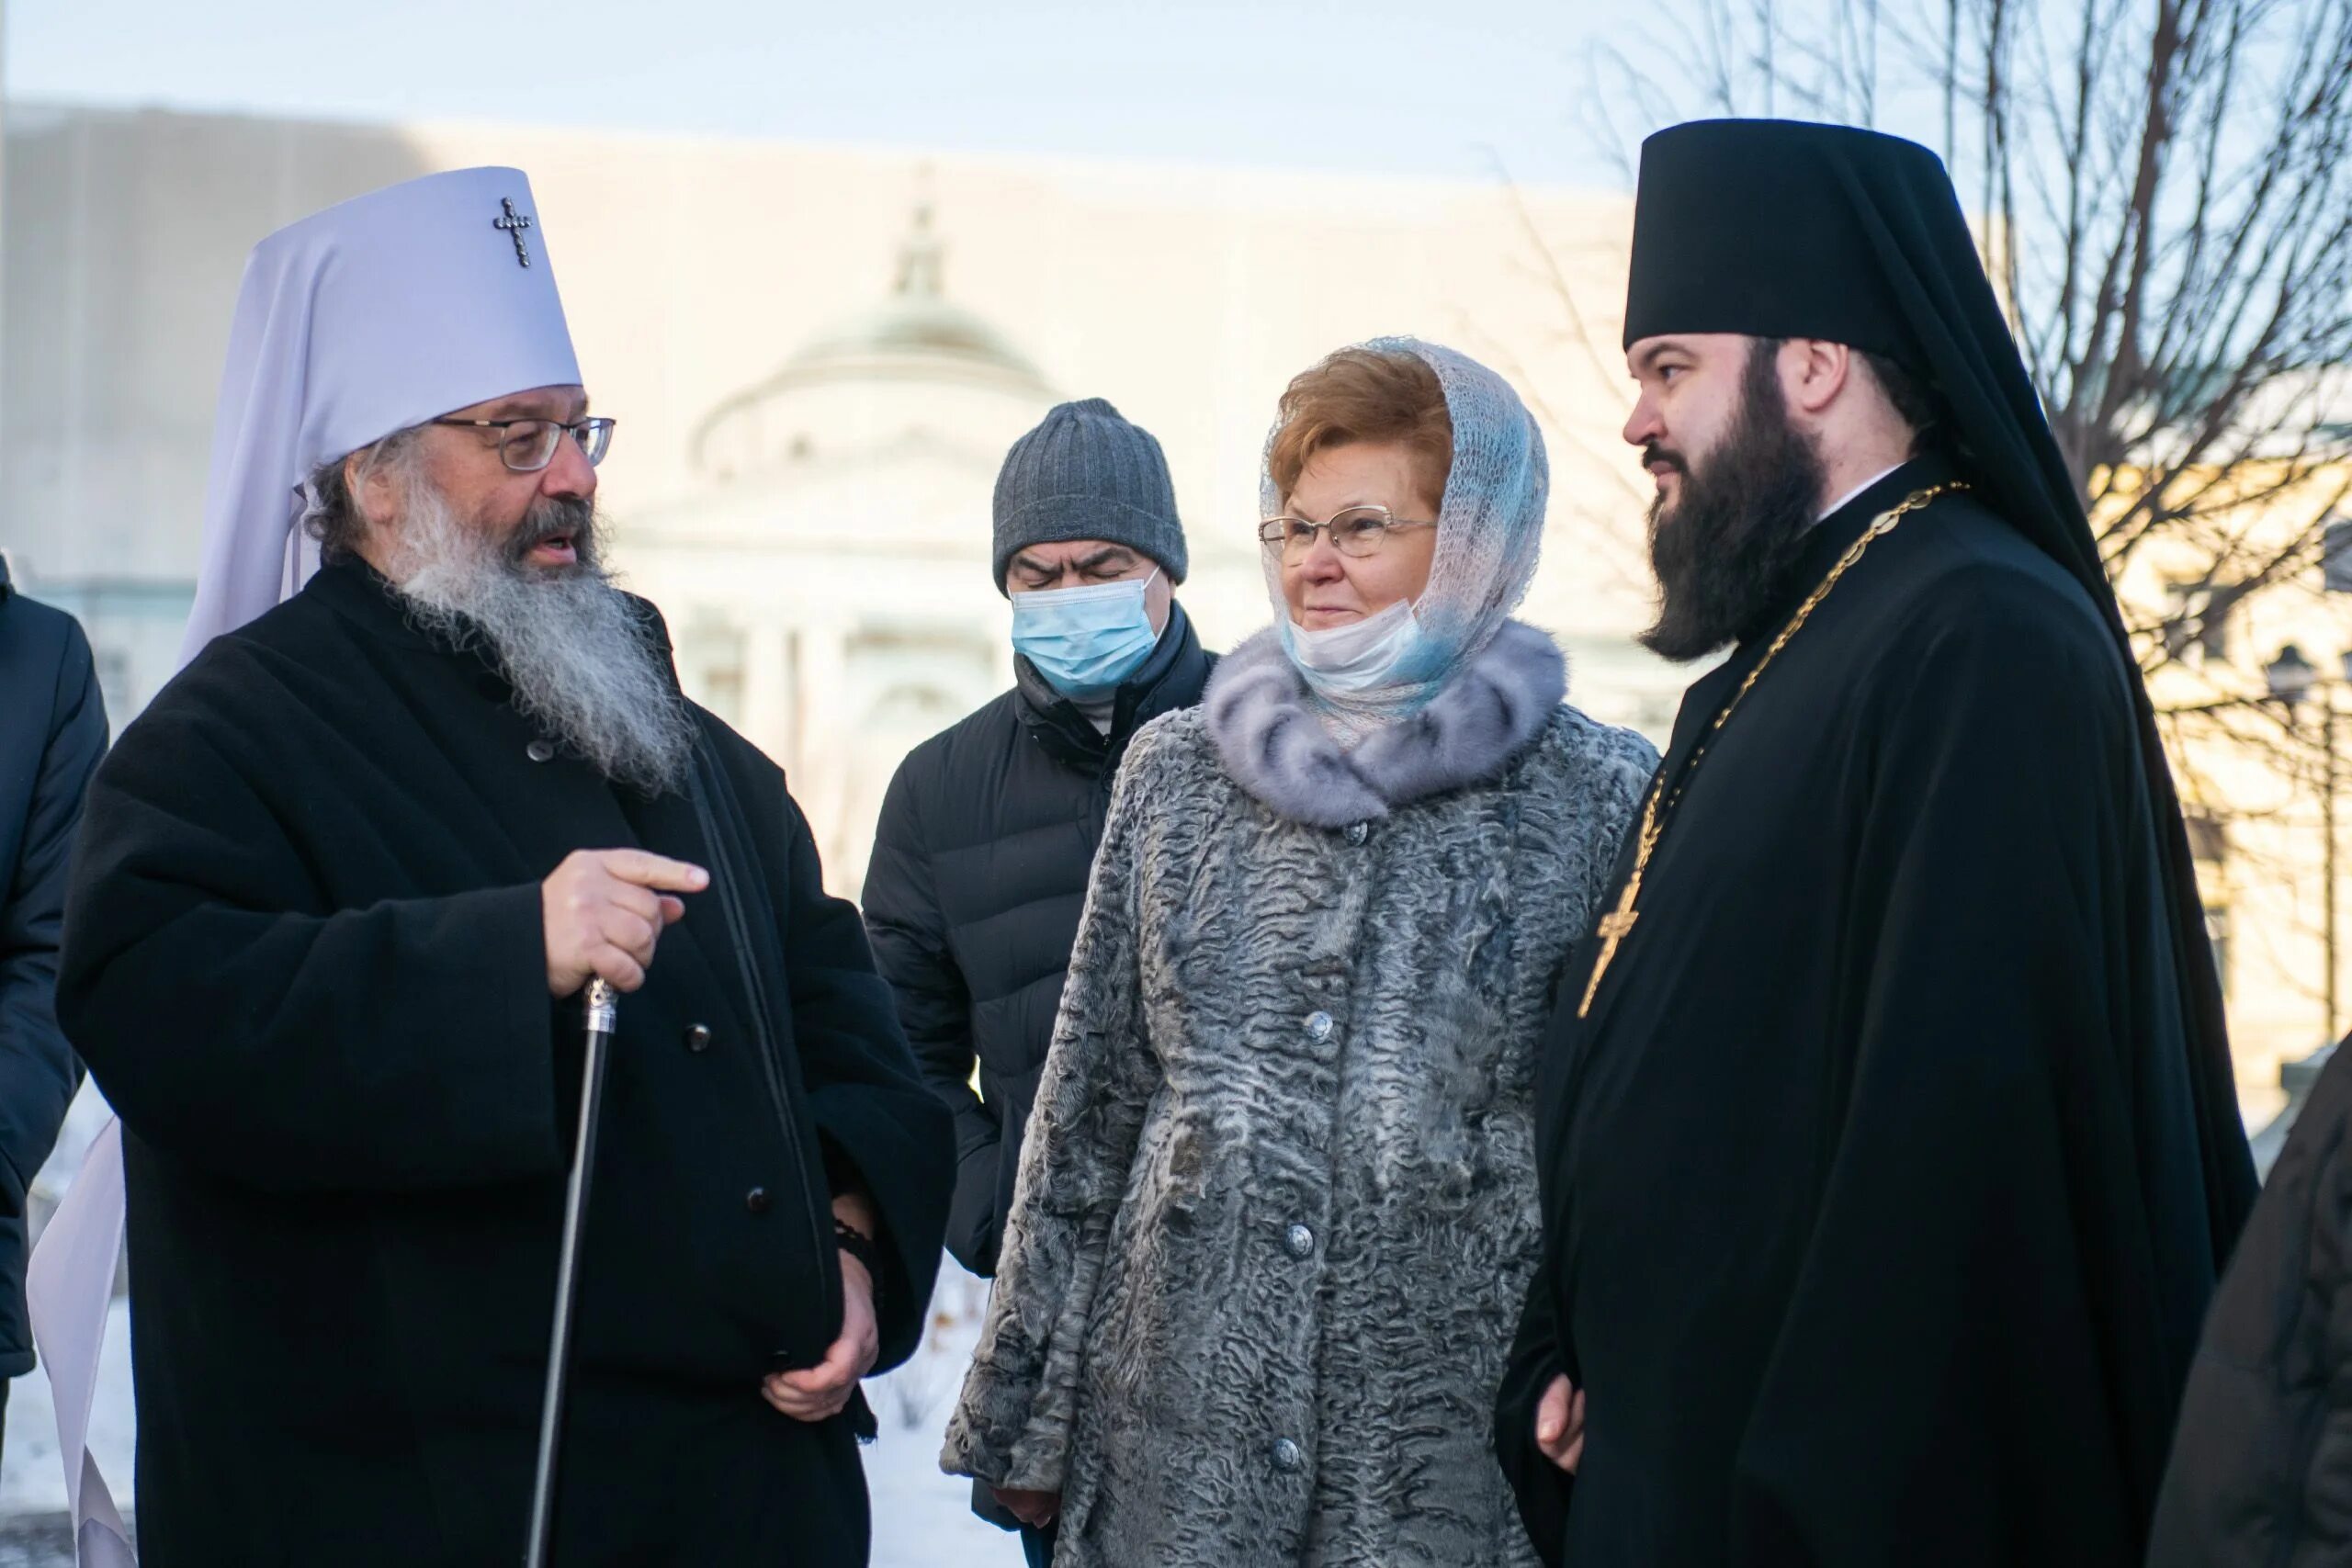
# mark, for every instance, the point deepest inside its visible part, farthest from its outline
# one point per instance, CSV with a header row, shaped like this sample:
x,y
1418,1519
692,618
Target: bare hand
x,y
822,1391
604,909
1036,1509
1559,1424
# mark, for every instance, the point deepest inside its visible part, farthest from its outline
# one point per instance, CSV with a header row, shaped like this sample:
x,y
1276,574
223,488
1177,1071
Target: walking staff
x,y
603,1009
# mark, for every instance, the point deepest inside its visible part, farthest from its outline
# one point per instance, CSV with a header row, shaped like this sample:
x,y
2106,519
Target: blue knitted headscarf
x,y
1489,532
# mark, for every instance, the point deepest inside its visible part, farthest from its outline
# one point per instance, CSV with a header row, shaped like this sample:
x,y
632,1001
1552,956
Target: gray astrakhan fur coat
x,y
1277,1209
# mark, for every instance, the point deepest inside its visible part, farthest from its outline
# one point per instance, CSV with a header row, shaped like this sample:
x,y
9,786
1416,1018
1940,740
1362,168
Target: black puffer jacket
x,y
979,870
2261,1468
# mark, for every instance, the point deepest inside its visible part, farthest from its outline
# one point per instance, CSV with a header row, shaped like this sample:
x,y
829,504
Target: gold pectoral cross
x,y
1614,928
1618,924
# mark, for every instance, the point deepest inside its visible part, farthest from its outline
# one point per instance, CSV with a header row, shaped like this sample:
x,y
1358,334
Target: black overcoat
x,y
305,959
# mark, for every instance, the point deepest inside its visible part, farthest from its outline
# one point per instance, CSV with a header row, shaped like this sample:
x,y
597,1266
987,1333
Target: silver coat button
x,y
1286,1454
1319,1025
1299,1241
1359,833
539,751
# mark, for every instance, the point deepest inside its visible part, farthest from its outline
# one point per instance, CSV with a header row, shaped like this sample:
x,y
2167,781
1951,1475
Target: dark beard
x,y
1722,552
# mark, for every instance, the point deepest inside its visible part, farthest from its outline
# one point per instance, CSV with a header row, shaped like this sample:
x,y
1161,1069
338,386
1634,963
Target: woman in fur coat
x,y
1277,1209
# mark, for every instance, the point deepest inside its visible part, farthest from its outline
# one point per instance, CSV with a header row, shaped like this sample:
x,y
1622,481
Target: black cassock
x,y
1877,1229
304,959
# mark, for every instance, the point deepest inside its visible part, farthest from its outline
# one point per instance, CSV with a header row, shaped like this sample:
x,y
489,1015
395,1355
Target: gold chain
x,y
1618,924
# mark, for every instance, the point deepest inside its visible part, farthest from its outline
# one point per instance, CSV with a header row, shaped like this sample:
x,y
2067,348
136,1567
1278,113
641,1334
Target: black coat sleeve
x,y
909,935
1543,1488
38,1071
869,1104
235,1021
1969,1368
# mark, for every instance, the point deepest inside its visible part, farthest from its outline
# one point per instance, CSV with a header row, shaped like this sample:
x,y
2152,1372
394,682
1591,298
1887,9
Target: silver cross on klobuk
x,y
515,223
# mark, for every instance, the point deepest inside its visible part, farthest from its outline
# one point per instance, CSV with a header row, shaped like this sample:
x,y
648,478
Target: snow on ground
x,y
922,1518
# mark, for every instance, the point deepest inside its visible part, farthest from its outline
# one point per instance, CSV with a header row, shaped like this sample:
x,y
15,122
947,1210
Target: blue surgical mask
x,y
1085,641
1346,661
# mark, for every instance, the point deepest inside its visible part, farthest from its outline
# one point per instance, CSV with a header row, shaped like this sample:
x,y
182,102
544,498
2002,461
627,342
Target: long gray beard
x,y
566,640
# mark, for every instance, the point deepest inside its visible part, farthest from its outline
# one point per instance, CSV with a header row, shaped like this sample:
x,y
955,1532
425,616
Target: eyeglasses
x,y
1358,531
526,446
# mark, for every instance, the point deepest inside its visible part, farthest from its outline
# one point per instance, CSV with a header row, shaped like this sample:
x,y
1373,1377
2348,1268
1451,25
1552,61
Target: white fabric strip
x,y
67,1285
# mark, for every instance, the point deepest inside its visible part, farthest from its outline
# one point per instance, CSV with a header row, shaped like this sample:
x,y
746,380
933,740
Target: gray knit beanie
x,y
1086,473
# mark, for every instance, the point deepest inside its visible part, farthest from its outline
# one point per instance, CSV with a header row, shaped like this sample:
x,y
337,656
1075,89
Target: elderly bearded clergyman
x,y
337,892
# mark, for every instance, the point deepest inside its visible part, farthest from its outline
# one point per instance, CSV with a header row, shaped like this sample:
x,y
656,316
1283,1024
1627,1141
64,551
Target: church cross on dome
x,y
919,257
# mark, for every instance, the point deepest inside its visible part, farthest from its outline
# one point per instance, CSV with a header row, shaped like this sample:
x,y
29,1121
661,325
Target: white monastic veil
x,y
364,319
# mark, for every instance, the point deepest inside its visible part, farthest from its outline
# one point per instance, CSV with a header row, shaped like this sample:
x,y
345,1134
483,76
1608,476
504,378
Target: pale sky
x,y
1390,86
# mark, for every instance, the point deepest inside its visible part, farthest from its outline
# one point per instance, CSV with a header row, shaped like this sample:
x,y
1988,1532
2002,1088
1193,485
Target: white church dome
x,y
918,362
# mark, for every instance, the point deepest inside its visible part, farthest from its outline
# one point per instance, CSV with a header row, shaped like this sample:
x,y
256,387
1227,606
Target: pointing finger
x,y
659,872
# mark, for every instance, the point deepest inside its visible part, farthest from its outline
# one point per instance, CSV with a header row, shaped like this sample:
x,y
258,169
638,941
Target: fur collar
x,y
1275,747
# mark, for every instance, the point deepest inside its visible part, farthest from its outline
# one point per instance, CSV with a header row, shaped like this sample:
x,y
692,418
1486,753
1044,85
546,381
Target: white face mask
x,y
1357,657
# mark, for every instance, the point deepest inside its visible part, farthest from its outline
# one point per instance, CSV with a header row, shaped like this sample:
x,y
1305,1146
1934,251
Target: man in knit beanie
x,y
988,833
1086,475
